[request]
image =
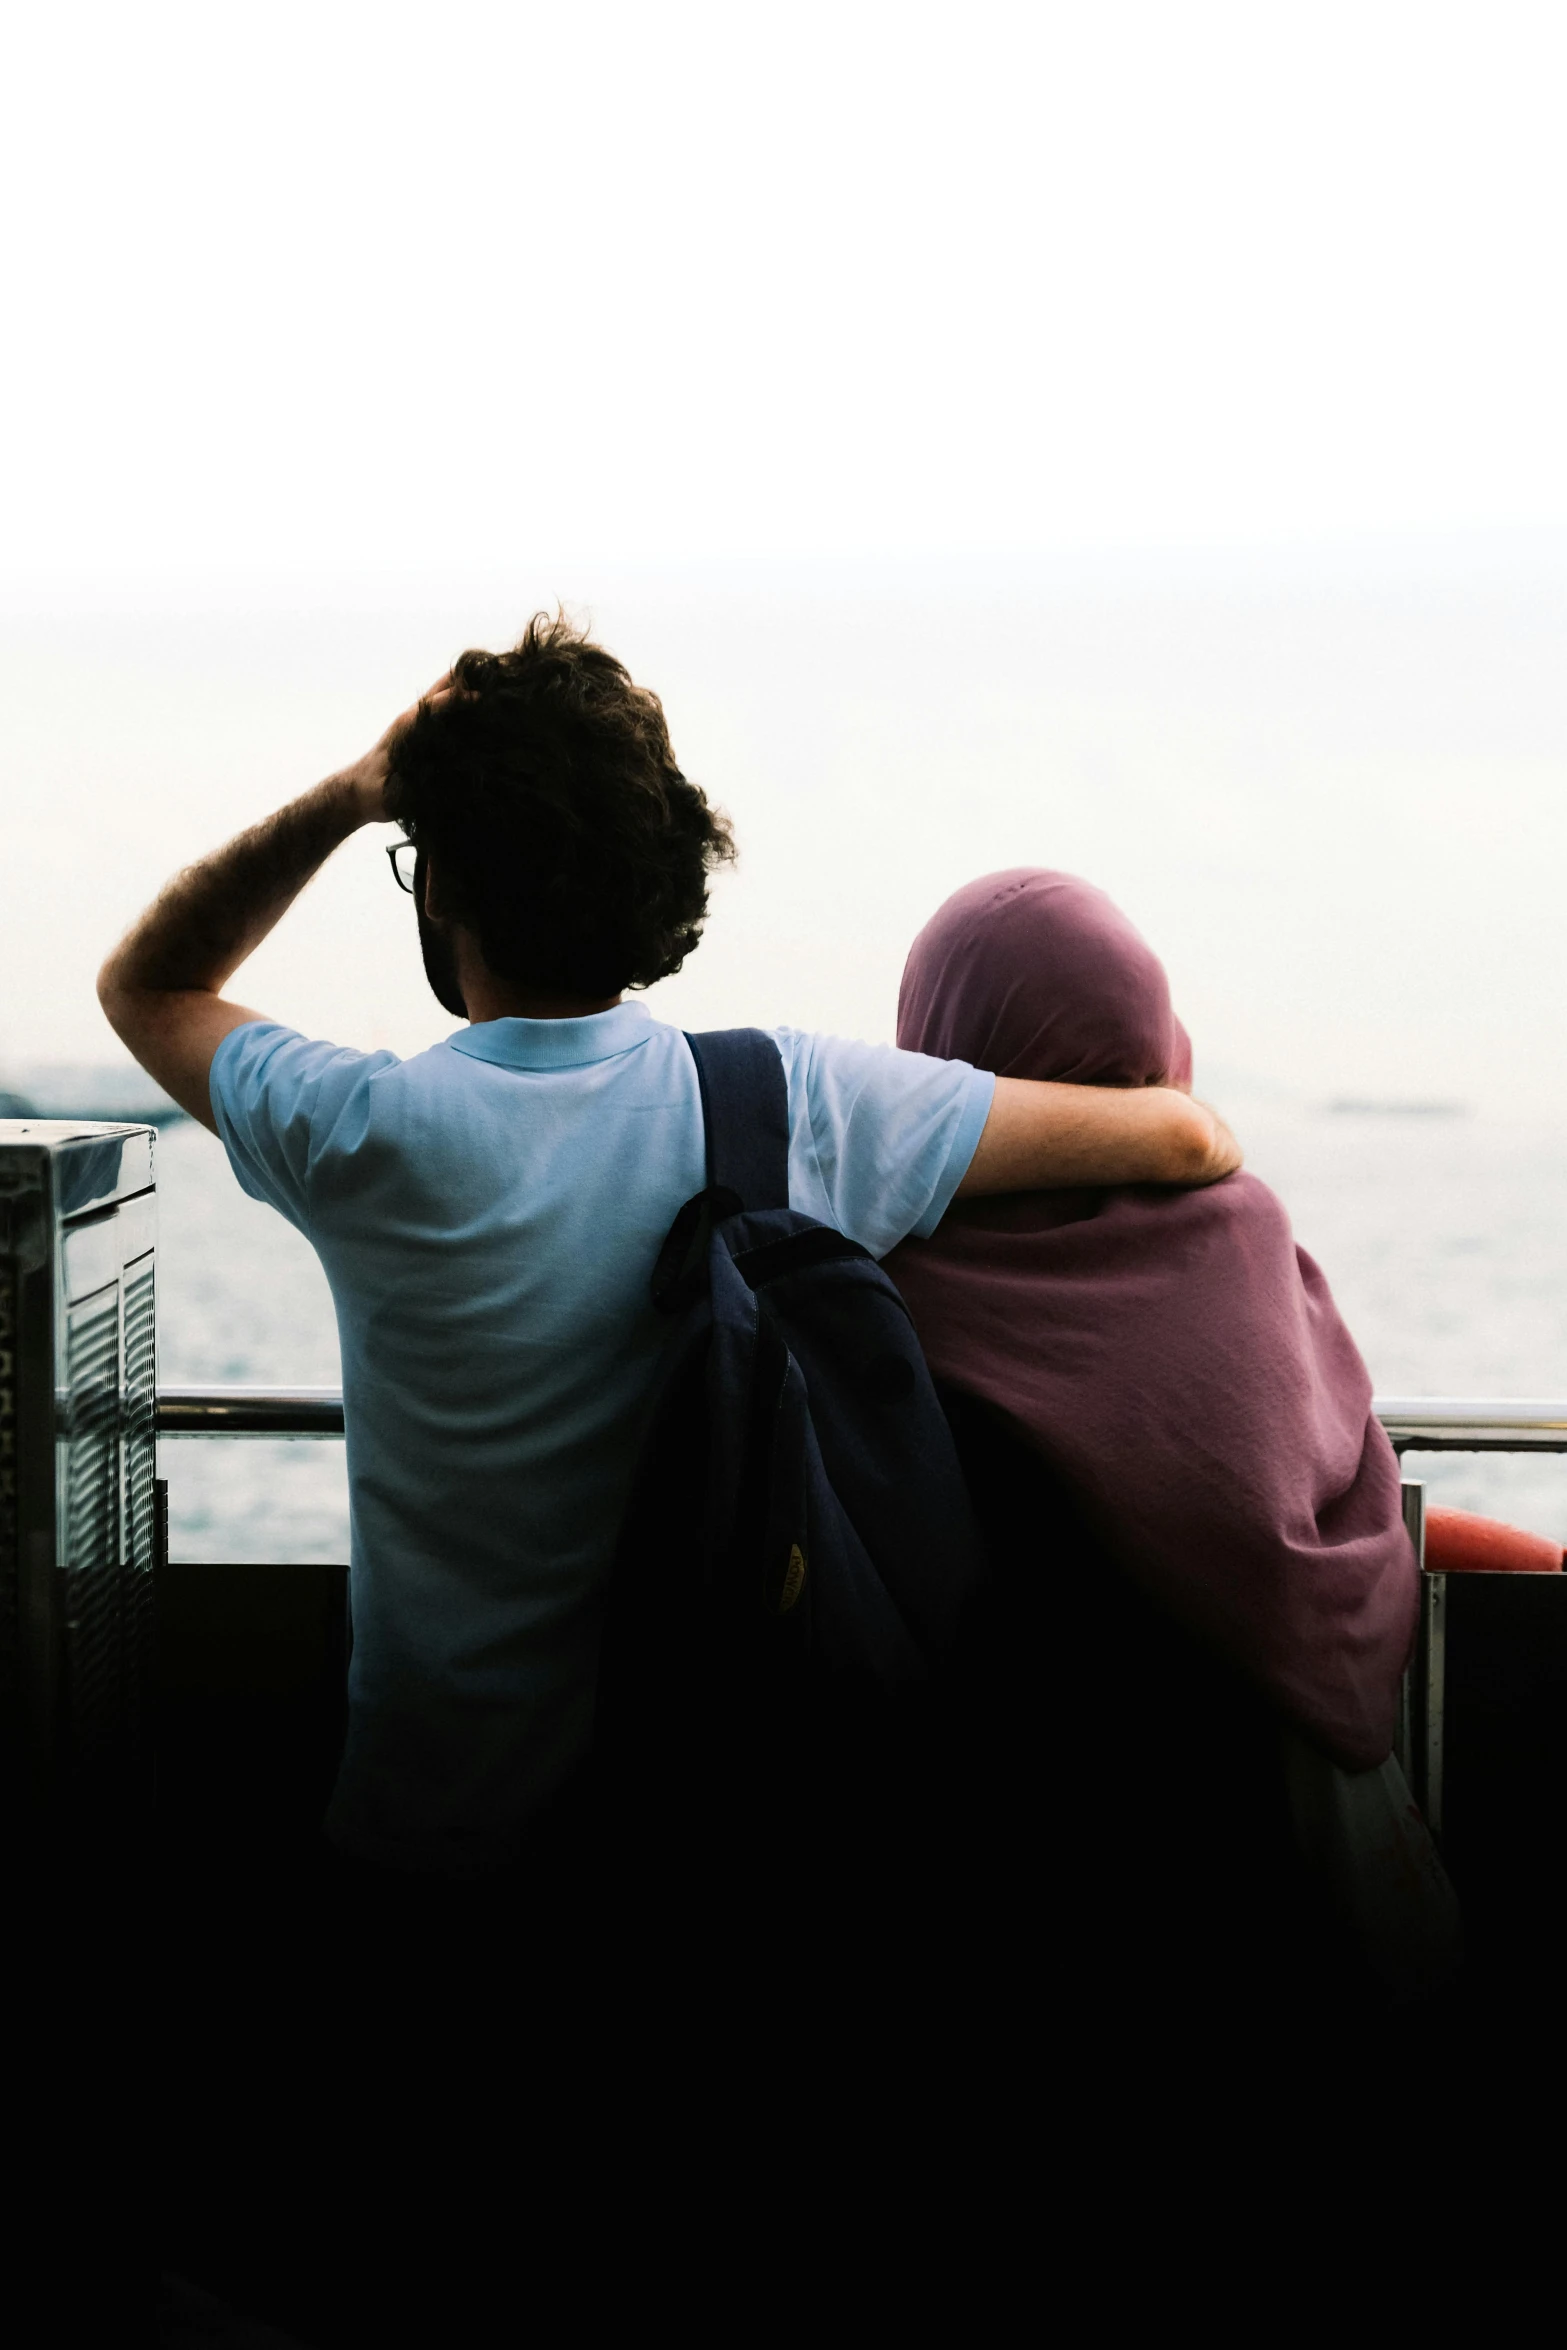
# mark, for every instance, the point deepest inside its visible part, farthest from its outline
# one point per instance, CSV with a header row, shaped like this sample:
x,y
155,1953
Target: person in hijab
x,y
1196,1515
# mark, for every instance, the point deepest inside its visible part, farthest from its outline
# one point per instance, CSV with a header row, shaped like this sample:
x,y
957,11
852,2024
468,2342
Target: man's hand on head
x,y
366,779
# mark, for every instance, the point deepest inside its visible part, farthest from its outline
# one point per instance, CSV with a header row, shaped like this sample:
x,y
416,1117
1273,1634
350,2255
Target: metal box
x,y
78,1508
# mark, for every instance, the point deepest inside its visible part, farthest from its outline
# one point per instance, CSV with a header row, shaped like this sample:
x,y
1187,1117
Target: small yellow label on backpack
x,y
794,1579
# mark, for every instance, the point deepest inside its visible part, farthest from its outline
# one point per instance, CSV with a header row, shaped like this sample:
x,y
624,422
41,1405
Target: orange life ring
x,y
1458,1543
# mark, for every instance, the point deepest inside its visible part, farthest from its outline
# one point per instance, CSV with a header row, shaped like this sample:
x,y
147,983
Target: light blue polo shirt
x,y
488,1215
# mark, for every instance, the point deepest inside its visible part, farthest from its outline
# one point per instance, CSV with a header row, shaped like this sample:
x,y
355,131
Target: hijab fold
x,y
1173,1354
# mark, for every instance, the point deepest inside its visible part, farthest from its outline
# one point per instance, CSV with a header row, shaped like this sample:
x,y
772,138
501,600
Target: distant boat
x,y
1355,1107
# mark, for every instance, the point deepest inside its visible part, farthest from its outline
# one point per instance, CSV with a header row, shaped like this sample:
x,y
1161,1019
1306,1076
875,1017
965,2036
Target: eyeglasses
x,y
402,856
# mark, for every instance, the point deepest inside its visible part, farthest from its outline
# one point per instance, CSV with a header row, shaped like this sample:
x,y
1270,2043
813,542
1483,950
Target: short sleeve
x,y
879,1139
281,1101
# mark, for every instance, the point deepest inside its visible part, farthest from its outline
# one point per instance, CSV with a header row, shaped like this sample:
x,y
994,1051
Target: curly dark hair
x,y
545,790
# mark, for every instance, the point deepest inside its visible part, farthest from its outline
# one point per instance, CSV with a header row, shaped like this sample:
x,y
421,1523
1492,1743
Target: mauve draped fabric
x,y
1172,1353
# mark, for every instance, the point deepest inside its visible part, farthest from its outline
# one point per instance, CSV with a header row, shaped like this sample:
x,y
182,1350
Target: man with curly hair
x,y
488,1213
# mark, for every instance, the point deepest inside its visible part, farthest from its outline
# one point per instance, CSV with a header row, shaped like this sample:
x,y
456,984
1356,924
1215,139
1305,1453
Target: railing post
x,y
1414,1502
1431,1669
1419,1739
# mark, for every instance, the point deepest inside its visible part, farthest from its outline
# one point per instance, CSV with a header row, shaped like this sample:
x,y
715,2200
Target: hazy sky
x,y
846,363
326,283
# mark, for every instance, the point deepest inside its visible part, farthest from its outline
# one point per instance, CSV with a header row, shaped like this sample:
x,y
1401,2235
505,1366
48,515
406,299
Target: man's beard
x,y
440,964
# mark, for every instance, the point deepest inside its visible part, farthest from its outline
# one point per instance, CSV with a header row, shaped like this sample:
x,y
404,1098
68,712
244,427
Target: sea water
x,y
1444,1238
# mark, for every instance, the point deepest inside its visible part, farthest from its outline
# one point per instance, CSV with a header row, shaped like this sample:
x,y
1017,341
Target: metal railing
x,y
1416,1423
1464,1423
250,1411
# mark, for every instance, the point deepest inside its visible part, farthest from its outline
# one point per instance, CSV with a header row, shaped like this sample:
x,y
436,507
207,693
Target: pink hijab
x,y
1173,1354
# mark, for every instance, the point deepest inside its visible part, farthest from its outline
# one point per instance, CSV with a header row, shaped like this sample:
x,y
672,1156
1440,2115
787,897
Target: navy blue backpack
x,y
799,1553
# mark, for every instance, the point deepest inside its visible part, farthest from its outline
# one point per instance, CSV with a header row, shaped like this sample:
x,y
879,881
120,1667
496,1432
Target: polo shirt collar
x,y
556,1044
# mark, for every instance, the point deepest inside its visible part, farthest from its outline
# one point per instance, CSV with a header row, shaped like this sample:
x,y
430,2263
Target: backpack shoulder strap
x,y
745,1107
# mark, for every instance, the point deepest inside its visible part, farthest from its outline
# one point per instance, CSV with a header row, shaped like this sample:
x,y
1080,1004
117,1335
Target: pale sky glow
x,y
333,283
1124,436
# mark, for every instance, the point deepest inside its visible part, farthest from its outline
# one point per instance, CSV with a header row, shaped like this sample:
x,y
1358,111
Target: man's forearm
x,y
1055,1137
208,919
161,989
162,986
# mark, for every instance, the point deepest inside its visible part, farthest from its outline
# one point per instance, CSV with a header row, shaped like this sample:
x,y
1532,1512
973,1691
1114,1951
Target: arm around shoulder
x,y
1042,1137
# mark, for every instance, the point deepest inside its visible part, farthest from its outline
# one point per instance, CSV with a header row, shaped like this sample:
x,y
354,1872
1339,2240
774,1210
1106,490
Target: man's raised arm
x,y
162,988
1057,1137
